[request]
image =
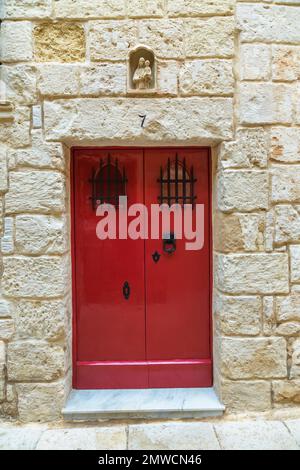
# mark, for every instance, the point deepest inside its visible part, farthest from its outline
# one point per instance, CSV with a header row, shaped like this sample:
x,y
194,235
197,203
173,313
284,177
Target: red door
x,y
142,306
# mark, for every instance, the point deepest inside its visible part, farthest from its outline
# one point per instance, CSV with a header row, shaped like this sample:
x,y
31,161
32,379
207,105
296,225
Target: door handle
x,y
169,243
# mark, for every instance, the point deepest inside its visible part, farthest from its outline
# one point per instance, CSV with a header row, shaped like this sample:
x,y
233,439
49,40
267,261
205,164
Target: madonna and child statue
x,y
142,77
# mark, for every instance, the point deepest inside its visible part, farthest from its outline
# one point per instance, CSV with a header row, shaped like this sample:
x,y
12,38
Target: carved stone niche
x,y
142,71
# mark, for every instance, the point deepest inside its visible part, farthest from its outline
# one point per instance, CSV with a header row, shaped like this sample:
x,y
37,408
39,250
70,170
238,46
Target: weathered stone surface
x,y
5,308
3,169
238,315
253,273
206,77
288,329
210,37
285,144
287,224
257,23
58,79
36,116
166,37
40,234
285,183
295,369
111,39
255,435
114,438
40,402
34,277
145,9
250,396
35,191
255,62
288,308
7,329
40,319
205,7
255,358
14,438
102,120
239,232
68,439
7,241
2,370
19,9
41,155
172,436
85,9
286,391
34,361
294,428
17,133
16,41
295,263
167,77
242,190
285,63
21,83
59,42
103,79
266,103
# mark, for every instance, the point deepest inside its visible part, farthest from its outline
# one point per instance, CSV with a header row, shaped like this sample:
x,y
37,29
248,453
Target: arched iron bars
x,y
108,182
177,183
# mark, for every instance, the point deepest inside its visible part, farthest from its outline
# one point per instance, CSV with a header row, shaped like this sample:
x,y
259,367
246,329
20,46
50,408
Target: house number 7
x,y
143,118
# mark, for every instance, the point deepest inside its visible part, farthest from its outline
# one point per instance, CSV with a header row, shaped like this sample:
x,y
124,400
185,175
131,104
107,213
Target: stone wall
x,y
228,77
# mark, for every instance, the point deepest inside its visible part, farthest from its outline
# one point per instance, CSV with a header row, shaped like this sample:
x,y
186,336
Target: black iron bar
x,y
176,177
169,185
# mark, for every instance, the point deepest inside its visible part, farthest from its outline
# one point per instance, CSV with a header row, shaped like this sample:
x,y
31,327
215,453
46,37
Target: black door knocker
x,y
126,290
169,243
156,257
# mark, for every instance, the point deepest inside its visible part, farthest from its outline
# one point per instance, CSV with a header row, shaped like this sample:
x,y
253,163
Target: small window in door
x,y
176,183
108,183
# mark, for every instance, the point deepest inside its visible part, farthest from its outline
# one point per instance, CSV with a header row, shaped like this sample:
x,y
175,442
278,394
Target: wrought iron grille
x,y
177,183
108,182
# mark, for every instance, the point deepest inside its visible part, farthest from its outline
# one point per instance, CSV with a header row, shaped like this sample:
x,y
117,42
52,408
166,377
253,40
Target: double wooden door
x,y
142,306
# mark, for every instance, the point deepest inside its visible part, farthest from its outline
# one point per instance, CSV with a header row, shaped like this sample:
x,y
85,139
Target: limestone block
x,y
59,42
285,144
286,391
7,241
242,190
19,9
17,133
3,169
266,103
2,370
255,62
168,120
287,224
250,149
35,191
68,439
239,232
16,41
295,369
288,308
58,79
40,402
114,438
111,39
167,77
21,83
103,79
205,7
206,77
7,329
250,396
172,436
5,308
238,315
145,8
34,277
257,23
297,104
87,9
285,183
255,358
40,234
1,215
253,273
36,117
285,63
288,329
34,361
210,37
19,438
41,155
295,263
165,37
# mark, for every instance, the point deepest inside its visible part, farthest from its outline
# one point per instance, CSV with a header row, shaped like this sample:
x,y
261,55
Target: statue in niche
x,y
142,76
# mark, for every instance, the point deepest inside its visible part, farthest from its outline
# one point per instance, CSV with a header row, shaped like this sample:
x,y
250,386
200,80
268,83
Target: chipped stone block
x,y
111,40
206,77
17,132
285,185
255,62
59,42
286,391
145,9
102,79
253,273
255,358
238,315
3,169
58,79
210,37
16,41
7,329
21,83
165,37
248,395
205,7
295,263
86,9
287,224
31,9
34,361
285,63
295,369
7,241
40,402
285,144
288,308
36,117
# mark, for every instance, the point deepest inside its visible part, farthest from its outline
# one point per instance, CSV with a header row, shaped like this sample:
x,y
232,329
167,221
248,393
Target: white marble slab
x,y
148,403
